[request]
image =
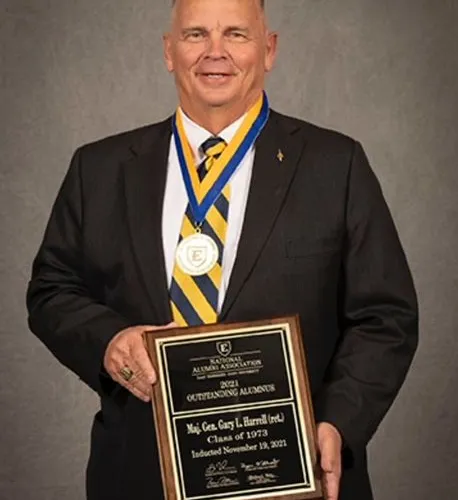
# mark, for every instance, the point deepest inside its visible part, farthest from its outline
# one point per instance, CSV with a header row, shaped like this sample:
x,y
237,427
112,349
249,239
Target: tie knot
x,y
213,147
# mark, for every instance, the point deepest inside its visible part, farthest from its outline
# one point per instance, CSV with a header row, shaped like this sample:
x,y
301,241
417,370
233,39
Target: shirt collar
x,y
197,135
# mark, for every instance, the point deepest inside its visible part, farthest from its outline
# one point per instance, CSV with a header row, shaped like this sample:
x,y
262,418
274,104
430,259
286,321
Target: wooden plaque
x,y
233,412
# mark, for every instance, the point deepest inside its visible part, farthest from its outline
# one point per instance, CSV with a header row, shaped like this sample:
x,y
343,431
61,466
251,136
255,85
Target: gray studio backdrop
x,y
383,71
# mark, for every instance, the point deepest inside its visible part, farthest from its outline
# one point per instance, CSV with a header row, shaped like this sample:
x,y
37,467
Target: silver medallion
x,y
197,254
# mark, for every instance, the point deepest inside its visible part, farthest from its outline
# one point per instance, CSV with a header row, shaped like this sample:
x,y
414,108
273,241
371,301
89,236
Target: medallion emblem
x,y
197,254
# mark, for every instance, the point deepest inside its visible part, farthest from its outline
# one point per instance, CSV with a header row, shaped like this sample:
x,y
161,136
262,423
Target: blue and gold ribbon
x,y
202,195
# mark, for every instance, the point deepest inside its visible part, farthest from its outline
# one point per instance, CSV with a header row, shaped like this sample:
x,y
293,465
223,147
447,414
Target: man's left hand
x,y
330,448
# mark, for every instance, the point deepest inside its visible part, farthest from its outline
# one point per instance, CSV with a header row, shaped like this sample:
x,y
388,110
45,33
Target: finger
x,y
137,379
330,454
331,466
329,459
140,384
139,392
142,365
152,328
331,485
136,382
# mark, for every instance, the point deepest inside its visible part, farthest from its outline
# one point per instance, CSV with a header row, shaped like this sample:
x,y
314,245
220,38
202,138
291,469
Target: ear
x,y
271,50
167,43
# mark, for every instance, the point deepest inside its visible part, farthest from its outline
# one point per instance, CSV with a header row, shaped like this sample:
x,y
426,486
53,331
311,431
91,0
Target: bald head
x,y
219,52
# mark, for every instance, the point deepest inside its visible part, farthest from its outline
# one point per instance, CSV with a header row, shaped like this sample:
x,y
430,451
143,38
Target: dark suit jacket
x,y
317,240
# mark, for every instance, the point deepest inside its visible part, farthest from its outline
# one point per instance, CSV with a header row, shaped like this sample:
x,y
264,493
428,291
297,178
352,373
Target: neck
x,y
216,119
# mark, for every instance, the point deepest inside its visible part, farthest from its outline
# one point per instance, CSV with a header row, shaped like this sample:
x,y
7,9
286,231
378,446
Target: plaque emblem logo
x,y
224,348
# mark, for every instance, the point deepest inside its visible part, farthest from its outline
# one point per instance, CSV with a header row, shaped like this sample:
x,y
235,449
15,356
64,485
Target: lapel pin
x,y
280,155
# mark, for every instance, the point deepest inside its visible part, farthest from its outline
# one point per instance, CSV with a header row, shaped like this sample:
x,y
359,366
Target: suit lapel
x,y
278,150
145,177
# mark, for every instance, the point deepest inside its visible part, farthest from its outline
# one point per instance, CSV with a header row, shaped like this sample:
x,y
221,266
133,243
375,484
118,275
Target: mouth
x,y
215,77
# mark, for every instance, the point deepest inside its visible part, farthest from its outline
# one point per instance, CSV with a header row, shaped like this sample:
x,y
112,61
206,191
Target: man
x,y
303,228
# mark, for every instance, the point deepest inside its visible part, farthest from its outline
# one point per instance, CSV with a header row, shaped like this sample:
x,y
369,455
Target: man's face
x,y
219,51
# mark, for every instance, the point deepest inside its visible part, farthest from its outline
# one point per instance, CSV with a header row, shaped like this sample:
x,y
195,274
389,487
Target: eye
x,y
236,35
195,36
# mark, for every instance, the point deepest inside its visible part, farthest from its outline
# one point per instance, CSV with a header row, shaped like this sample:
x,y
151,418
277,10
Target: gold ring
x,y
126,373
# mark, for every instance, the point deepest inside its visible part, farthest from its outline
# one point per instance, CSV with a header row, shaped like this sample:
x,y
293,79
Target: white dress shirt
x,y
176,199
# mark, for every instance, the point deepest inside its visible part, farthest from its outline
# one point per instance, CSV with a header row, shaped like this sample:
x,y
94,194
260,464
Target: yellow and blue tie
x,y
194,299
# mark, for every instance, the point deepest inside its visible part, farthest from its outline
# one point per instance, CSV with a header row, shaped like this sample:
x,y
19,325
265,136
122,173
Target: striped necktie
x,y
194,299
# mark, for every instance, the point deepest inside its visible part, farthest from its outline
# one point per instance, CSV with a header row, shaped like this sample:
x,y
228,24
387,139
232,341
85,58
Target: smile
x,y
214,77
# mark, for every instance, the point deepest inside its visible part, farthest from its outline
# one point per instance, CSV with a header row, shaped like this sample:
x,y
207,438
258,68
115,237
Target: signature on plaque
x,y
265,478
220,468
260,465
220,482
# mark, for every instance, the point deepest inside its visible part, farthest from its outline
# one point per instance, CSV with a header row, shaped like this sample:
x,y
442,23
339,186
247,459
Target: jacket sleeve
x,y
378,315
64,312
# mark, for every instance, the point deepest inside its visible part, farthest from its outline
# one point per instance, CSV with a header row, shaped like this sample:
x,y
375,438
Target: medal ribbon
x,y
203,195
194,298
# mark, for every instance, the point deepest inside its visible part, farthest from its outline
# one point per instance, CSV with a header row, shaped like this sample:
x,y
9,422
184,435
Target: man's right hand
x,y
127,351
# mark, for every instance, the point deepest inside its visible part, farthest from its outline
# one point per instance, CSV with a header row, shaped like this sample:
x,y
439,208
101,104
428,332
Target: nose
x,y
216,46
